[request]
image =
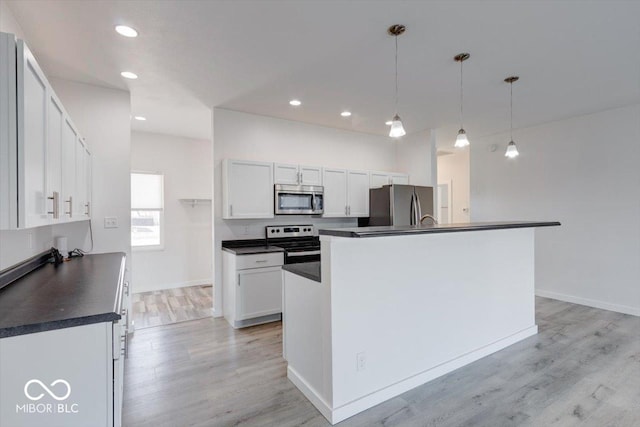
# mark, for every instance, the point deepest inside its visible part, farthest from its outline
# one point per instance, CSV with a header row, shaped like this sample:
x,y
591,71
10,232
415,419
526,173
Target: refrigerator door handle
x,y
419,209
412,219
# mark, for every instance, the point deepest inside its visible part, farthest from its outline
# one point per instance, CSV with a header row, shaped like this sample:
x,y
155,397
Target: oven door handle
x,y
304,253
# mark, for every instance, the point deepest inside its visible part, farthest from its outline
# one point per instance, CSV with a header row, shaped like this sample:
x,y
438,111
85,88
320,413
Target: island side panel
x,y
407,304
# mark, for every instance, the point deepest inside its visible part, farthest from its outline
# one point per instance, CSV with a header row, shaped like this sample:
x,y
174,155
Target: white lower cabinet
x,y
252,288
68,377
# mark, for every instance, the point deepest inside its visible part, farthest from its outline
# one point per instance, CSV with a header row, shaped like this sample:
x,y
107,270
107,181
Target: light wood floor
x,y
582,369
171,306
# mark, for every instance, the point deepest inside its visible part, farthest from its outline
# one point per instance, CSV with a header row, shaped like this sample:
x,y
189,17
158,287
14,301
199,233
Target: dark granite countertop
x,y
440,228
249,250
77,292
310,270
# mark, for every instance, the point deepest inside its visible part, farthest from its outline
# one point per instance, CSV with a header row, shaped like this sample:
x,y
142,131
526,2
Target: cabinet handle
x,y
56,209
261,260
87,212
70,201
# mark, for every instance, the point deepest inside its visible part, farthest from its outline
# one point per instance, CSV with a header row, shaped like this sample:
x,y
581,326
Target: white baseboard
x,y
161,287
619,308
335,415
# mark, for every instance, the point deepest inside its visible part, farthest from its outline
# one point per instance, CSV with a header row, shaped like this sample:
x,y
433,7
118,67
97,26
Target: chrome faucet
x,y
423,217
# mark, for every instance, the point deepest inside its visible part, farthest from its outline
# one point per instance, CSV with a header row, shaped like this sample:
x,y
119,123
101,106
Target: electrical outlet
x,y
361,359
110,222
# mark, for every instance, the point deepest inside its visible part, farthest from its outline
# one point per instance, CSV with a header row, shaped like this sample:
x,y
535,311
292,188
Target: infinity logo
x,y
52,394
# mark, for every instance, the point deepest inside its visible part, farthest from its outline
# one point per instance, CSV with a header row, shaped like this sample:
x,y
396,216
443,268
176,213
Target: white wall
x,y
8,23
584,173
187,165
416,155
453,169
252,137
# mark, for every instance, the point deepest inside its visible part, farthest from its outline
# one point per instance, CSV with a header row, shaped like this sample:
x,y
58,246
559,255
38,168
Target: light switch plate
x,y
110,222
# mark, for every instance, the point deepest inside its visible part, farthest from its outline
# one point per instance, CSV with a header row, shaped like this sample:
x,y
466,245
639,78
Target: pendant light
x,y
397,130
512,150
461,140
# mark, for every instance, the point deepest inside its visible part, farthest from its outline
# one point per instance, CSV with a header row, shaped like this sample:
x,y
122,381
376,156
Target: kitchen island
x,y
399,306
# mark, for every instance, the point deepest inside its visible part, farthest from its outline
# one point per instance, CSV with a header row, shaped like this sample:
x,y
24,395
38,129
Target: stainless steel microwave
x,y
298,199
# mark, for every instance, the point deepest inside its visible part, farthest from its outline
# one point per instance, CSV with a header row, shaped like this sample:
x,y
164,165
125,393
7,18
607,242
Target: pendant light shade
x,y
512,150
397,129
462,140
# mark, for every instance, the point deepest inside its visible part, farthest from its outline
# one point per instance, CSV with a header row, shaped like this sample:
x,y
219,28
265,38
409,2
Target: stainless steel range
x,y
298,241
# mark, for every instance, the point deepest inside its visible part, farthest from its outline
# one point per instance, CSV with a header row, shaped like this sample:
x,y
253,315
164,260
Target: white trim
x,y
160,287
603,305
335,415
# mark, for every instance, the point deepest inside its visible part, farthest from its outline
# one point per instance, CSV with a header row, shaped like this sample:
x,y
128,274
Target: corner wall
x,y
453,169
186,258
584,173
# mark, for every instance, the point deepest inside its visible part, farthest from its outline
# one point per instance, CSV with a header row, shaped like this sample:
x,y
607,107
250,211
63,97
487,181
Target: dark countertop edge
x,y
426,230
14,331
300,270
252,250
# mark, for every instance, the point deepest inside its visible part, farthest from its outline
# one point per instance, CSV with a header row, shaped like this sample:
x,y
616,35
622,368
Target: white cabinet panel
x,y
286,174
335,192
247,190
358,193
310,175
54,156
378,179
69,140
88,177
33,201
259,292
297,174
399,178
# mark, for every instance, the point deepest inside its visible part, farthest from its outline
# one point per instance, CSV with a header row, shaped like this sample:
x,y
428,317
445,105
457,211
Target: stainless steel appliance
x,y
298,241
399,204
298,199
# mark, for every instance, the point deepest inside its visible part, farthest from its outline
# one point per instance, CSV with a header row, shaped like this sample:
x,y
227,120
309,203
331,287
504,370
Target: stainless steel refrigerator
x,y
399,204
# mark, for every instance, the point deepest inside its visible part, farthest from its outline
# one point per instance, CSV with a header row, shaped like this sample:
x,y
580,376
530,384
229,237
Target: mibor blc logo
x,y
35,390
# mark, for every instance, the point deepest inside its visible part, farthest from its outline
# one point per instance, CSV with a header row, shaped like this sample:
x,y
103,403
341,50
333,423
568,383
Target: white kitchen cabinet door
x,y
310,175
259,292
358,196
88,176
247,189
335,192
378,179
55,123
399,178
81,181
69,141
286,174
34,203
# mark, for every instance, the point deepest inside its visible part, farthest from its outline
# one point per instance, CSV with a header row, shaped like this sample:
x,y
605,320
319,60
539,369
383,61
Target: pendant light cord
x,y
511,111
396,37
461,96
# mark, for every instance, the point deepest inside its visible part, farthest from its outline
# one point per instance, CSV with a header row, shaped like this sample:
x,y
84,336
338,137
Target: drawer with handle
x,y
272,259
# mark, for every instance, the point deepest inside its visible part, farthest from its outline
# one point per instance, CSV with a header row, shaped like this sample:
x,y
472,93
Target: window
x,y
147,205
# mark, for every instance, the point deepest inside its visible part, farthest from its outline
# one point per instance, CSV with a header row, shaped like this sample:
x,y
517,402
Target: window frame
x,y
160,246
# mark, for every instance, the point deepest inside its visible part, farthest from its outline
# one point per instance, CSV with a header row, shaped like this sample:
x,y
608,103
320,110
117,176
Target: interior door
x,y
443,199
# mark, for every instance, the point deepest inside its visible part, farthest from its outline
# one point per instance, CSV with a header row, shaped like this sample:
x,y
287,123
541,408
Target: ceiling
x,y
573,57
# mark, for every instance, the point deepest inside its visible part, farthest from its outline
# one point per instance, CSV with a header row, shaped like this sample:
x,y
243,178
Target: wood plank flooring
x,y
582,369
168,306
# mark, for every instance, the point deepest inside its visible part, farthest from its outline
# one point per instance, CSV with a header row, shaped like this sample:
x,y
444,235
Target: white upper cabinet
x,y
346,193
81,181
247,189
37,150
88,178
297,174
378,179
36,205
335,192
358,193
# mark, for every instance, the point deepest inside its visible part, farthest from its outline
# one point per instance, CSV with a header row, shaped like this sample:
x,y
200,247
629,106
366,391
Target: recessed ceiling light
x,y
123,30
345,113
295,102
140,118
129,75
389,123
